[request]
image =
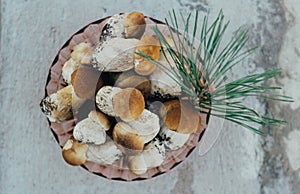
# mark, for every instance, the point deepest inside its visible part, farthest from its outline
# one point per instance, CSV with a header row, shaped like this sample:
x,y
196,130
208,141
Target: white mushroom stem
x,y
115,55
147,125
58,106
154,153
137,164
107,153
89,131
104,99
172,139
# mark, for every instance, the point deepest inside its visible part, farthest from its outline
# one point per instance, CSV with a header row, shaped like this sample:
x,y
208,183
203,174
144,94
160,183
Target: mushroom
x,y
154,153
107,153
88,131
180,116
128,104
127,139
82,53
74,152
137,164
69,67
130,79
125,25
86,82
100,118
150,46
147,125
115,55
172,139
58,106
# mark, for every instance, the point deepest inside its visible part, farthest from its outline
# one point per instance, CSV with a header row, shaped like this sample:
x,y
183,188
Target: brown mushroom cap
x,y
151,47
86,81
100,118
74,152
127,139
180,116
128,104
135,25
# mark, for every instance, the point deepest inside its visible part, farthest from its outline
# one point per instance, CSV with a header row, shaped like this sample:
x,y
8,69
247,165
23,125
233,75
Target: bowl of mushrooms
x,y
113,112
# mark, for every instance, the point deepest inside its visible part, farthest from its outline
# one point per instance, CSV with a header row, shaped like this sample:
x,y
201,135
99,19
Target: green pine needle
x,y
200,69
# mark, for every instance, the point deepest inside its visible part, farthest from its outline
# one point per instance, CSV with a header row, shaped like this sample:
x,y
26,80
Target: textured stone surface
x,y
240,162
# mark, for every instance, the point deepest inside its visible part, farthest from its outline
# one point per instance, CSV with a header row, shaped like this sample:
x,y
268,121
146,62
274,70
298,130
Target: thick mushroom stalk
x,y
128,104
59,106
172,139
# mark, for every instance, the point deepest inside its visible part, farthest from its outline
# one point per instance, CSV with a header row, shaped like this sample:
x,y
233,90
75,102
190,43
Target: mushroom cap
x,y
127,138
180,116
128,104
104,99
86,82
172,139
89,131
147,125
137,164
106,153
132,80
135,25
100,118
151,47
74,152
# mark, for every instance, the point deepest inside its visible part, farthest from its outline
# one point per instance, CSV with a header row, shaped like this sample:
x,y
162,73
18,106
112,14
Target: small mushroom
x,y
86,82
125,25
130,79
150,46
115,55
180,116
82,53
127,139
100,118
107,153
58,106
128,104
74,152
154,153
89,131
147,125
137,164
172,139
69,67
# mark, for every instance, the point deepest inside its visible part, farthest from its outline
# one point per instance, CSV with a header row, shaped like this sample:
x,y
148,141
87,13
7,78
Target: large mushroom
x,y
59,106
180,116
128,104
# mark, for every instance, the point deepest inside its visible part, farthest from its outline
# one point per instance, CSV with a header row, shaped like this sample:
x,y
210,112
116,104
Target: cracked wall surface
x,y
240,161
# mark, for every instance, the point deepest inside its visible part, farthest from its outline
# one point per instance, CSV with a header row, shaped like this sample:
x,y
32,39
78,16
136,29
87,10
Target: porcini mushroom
x,y
148,45
107,153
172,139
125,25
127,139
115,55
146,125
128,104
100,118
74,152
180,116
89,131
58,106
154,153
86,82
69,67
137,164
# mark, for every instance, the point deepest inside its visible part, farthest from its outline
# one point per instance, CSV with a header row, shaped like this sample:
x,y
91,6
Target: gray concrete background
x,y
240,162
